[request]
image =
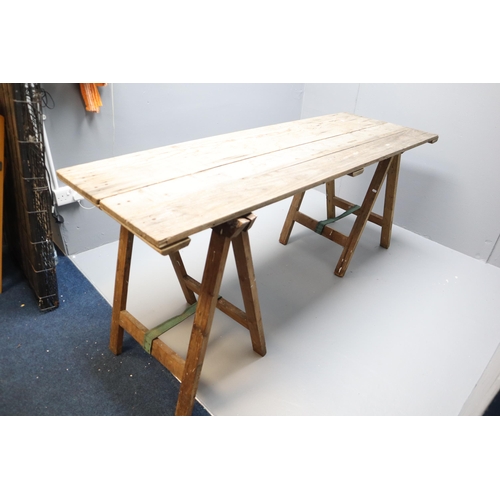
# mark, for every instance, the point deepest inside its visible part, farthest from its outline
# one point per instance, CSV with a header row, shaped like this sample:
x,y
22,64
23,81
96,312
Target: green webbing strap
x,y
164,327
321,225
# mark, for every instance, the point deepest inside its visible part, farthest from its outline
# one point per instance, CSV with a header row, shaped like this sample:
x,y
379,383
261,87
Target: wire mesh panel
x,y
31,198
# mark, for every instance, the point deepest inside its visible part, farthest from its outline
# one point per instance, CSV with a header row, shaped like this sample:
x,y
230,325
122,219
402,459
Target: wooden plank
x,y
178,217
180,272
362,218
246,276
328,232
161,351
207,301
290,218
330,199
133,326
194,173
232,228
356,172
168,358
168,249
223,305
390,202
98,180
125,245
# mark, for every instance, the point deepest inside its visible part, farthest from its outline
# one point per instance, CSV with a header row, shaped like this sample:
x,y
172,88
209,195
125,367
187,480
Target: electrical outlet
x,y
65,195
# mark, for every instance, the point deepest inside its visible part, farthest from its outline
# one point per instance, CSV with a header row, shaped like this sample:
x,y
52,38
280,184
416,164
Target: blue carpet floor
x,y
58,362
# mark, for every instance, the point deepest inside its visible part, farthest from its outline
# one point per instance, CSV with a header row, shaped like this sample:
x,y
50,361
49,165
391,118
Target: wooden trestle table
x,y
166,194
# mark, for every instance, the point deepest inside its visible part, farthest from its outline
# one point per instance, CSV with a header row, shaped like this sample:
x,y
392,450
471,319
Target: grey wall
x,y
448,191
141,116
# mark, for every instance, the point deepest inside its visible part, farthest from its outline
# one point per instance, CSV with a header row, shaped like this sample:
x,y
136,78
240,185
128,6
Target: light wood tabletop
x,y
165,194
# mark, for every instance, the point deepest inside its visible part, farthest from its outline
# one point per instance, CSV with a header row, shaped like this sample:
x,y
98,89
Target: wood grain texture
x,y
181,273
125,246
97,180
167,194
363,215
246,277
390,202
330,199
159,350
328,232
291,217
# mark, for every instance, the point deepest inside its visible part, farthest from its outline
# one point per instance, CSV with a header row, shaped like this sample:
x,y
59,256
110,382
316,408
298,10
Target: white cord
x,y
85,208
